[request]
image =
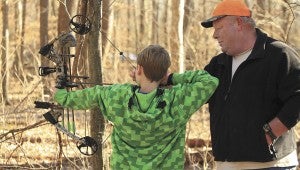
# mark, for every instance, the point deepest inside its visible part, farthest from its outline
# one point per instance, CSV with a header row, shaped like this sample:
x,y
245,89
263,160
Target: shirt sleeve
x,y
192,90
289,87
80,99
107,98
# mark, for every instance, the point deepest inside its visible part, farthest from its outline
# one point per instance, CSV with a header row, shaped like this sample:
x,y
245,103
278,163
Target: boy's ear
x,y
139,69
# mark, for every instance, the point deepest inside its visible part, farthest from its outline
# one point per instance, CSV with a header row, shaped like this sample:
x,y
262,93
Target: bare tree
x,y
24,10
81,49
64,15
129,19
19,38
104,25
163,23
174,46
4,54
44,11
142,18
187,11
154,32
180,37
95,69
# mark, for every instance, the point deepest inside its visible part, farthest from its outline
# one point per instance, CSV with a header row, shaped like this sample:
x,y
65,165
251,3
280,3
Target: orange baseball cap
x,y
227,7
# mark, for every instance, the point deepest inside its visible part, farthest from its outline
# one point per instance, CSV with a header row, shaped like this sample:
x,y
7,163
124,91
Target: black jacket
x,y
264,86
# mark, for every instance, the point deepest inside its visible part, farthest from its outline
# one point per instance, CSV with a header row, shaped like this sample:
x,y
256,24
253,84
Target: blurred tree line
x,y
125,26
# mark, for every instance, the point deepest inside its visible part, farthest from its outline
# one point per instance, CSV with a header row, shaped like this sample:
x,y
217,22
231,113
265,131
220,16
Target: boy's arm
x,y
193,89
80,99
191,77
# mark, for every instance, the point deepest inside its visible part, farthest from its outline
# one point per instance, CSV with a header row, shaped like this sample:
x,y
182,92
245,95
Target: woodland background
x,y
27,141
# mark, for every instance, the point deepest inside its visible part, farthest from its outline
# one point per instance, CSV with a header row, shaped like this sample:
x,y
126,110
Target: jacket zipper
x,y
229,87
232,78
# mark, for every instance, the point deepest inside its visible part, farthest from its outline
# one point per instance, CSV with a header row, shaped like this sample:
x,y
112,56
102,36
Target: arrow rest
x,y
62,82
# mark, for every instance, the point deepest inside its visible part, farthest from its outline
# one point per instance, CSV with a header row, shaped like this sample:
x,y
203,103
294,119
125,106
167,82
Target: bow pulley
x,y
80,24
86,145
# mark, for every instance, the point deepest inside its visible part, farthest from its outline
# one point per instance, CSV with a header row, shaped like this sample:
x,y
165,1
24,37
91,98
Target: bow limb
x,y
86,145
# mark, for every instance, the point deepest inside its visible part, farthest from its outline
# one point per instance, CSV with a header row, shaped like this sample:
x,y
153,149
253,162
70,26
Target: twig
x,y
60,149
20,130
293,19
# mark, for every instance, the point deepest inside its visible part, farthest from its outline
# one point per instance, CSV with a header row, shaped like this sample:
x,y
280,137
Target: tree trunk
x,y
154,29
104,25
80,53
95,70
24,3
44,38
187,10
128,25
136,33
163,23
180,37
64,15
174,46
17,65
4,54
142,19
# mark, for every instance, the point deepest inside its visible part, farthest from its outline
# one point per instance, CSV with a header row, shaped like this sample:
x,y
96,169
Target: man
x,y
149,122
257,103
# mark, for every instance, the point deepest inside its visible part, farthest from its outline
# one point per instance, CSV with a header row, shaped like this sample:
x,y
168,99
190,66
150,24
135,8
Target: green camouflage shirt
x,y
149,129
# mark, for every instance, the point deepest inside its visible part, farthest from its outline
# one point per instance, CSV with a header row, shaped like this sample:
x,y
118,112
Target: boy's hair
x,y
155,61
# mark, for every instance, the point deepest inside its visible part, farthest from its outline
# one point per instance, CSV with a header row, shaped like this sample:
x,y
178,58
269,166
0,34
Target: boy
x,y
149,121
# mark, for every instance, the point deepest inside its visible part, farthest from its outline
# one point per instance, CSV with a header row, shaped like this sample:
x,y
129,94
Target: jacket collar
x,y
259,46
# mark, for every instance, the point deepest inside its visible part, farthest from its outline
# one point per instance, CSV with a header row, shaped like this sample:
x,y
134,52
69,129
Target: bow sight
x,y
78,24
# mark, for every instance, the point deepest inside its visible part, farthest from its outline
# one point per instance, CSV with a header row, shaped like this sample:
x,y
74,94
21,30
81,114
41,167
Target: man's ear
x,y
239,23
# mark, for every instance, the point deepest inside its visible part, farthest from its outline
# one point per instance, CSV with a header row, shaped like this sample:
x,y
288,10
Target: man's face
x,y
226,33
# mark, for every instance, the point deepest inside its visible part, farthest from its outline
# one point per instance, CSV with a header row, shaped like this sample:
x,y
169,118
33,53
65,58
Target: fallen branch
x,y
14,132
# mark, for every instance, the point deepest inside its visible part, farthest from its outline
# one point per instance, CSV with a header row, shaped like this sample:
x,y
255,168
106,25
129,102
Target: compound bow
x,y
80,25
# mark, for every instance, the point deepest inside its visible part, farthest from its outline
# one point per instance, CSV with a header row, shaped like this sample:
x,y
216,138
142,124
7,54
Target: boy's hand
x,y
164,80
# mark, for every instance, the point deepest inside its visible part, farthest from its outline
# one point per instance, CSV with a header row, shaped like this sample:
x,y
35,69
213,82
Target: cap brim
x,y
209,22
